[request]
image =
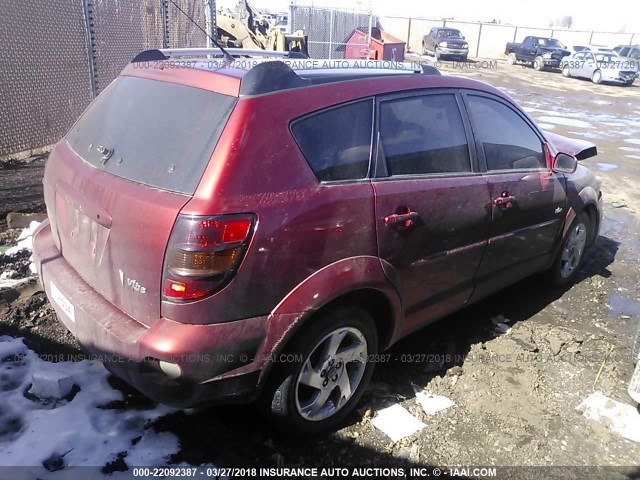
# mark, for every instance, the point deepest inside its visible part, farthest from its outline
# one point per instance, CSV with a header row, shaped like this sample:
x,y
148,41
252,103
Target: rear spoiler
x,y
580,149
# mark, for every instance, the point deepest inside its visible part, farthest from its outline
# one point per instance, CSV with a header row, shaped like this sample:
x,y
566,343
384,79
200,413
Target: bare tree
x,y
566,22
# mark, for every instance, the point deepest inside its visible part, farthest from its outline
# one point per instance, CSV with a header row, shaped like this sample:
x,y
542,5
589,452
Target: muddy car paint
x,y
315,243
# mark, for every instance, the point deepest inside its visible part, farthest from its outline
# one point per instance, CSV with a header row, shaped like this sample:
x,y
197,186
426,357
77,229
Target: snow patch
x,y
623,419
79,431
396,422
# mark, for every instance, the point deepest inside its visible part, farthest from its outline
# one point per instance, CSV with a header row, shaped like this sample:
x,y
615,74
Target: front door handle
x,y
401,219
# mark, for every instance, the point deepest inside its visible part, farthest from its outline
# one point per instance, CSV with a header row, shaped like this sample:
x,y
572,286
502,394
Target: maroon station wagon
x,y
259,230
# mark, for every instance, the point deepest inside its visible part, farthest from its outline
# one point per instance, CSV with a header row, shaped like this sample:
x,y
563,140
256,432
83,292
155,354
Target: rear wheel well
x,y
374,302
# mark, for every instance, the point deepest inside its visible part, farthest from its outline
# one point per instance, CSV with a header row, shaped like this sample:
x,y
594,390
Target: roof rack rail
x,y
166,53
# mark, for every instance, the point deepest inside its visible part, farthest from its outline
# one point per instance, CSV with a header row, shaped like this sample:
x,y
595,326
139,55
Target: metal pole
x,y
552,31
515,32
631,41
409,36
164,10
91,57
369,32
479,37
331,34
210,20
591,37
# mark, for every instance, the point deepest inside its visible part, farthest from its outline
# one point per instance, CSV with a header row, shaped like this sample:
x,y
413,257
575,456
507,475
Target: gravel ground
x,y
515,393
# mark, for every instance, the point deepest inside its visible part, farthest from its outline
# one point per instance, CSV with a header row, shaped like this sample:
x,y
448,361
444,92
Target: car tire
x,y
566,71
291,402
538,63
512,59
636,347
569,259
596,77
463,58
424,49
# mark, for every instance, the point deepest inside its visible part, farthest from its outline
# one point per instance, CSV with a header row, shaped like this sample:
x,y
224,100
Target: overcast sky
x,y
618,16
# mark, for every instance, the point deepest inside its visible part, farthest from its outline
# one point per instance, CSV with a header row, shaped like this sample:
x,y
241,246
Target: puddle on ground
x,y
615,225
635,141
571,122
546,126
620,305
635,157
606,167
542,111
591,135
630,149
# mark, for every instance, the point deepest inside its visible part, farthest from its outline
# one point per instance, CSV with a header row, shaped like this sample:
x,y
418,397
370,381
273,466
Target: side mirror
x,y
564,163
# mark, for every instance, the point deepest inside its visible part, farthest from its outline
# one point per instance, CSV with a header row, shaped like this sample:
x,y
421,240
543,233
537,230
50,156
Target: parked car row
x,y
620,65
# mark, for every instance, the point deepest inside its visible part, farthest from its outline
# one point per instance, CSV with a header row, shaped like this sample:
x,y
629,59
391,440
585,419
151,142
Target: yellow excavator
x,y
242,29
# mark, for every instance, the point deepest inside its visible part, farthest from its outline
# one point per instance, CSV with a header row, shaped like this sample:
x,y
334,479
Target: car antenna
x,y
226,54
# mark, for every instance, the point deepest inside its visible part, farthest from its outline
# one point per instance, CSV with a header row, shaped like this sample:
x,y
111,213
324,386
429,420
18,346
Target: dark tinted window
x,y
161,134
337,142
508,141
422,135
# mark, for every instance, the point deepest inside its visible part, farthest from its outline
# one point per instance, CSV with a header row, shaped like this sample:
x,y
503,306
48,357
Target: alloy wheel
x,y
573,250
331,373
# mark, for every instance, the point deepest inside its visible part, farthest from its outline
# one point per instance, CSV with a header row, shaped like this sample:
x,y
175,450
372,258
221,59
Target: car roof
x,y
277,71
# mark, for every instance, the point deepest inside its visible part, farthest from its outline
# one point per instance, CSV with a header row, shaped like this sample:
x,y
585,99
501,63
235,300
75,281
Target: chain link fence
x,y
119,30
187,31
44,72
330,29
58,56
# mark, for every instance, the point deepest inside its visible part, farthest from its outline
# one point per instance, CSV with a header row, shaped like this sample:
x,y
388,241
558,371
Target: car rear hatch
x,y
116,184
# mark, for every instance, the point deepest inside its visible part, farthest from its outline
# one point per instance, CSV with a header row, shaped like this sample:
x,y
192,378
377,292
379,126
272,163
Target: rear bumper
x,y
218,362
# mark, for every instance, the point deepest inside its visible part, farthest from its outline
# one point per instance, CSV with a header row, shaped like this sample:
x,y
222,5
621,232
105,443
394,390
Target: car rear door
x,y
589,66
528,49
432,204
431,40
527,199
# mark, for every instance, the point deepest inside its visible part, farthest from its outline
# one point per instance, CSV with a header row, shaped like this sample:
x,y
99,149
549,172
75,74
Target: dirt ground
x,y
515,393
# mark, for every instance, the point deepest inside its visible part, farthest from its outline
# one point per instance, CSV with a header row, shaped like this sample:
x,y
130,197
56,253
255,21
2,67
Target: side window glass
x,y
579,56
337,142
635,53
508,141
424,135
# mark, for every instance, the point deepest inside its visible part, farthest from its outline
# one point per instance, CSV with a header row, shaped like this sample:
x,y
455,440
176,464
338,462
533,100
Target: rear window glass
x,y
337,142
155,133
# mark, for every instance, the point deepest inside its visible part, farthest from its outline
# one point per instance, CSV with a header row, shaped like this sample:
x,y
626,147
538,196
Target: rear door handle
x,y
504,200
401,219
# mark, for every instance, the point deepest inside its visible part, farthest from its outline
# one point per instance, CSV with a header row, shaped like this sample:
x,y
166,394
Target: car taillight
x,y
204,254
